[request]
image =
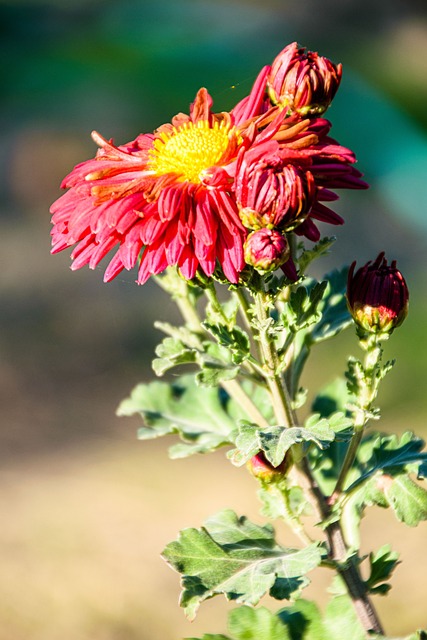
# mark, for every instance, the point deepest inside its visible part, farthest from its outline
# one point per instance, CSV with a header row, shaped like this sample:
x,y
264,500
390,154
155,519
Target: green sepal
x,y
239,559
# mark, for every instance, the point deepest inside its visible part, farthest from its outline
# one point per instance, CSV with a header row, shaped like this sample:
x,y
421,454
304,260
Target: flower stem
x,y
278,390
338,551
235,391
367,394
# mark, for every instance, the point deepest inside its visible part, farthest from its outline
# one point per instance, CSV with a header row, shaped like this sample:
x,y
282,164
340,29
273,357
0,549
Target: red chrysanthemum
x,y
288,171
166,194
173,198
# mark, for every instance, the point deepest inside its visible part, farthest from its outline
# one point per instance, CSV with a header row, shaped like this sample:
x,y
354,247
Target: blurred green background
x,y
86,508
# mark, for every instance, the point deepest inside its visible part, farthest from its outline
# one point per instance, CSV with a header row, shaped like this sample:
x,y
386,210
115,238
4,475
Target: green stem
x,y
211,295
367,395
235,391
349,459
278,390
189,313
338,551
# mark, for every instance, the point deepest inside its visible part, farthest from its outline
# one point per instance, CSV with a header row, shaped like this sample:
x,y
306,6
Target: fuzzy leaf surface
x,y
276,441
235,340
239,559
389,453
199,415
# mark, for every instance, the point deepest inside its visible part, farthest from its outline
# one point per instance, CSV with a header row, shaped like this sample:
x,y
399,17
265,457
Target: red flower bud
x,y
266,249
302,81
262,469
271,193
377,296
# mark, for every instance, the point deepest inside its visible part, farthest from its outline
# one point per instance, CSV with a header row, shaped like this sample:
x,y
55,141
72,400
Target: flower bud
x,y
377,296
266,250
302,81
271,193
262,469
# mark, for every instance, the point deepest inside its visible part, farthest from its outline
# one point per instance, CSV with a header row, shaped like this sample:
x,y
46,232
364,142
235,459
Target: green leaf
x,y
407,499
304,621
380,452
319,249
216,365
276,441
233,556
247,444
341,620
283,501
211,636
171,353
332,398
212,374
235,340
302,308
200,416
246,623
382,564
334,312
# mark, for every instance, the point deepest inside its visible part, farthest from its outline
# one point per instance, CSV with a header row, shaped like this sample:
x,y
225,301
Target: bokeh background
x,y
86,508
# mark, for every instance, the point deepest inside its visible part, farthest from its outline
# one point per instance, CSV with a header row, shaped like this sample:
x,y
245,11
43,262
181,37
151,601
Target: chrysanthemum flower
x,y
173,198
287,173
166,194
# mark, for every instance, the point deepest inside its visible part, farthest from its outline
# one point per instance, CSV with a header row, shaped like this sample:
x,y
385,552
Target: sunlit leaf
x,y
233,556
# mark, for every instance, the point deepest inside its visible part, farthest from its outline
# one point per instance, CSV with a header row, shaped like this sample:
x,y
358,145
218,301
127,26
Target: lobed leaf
x,y
382,564
239,559
199,415
276,441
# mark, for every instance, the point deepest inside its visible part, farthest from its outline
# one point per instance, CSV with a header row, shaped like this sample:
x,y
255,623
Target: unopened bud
x,y
271,193
302,81
266,250
262,469
377,296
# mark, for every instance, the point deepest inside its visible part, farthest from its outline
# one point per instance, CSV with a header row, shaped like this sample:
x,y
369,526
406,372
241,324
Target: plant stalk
x,y
338,551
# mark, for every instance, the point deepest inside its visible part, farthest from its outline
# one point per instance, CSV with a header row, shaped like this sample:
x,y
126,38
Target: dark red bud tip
x,y
377,296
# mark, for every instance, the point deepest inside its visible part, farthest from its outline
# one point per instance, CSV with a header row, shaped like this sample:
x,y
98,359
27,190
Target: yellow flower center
x,y
192,148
